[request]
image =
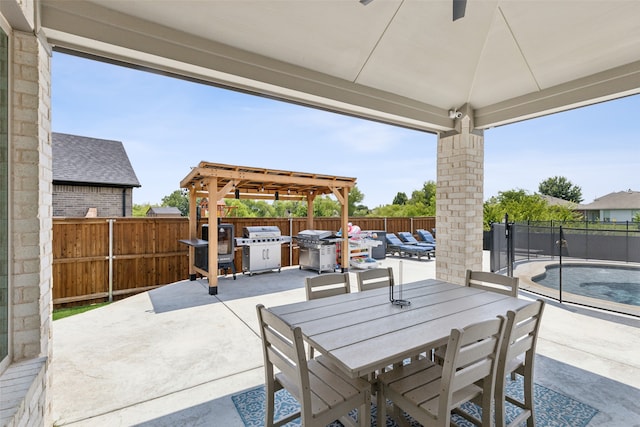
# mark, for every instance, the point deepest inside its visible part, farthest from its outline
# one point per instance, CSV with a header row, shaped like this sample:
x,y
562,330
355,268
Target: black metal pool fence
x,y
511,243
582,240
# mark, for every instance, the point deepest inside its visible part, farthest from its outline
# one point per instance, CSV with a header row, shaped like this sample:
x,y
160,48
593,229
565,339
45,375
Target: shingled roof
x,y
82,160
620,200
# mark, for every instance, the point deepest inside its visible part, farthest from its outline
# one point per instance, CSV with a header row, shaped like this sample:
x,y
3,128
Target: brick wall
x,y
31,236
75,200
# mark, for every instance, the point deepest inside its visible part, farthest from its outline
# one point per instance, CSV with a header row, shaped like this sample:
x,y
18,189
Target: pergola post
x,y
310,199
345,230
193,231
212,185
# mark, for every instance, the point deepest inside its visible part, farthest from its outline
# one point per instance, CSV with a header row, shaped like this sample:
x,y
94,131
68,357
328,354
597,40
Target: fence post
x,y
561,243
111,221
510,248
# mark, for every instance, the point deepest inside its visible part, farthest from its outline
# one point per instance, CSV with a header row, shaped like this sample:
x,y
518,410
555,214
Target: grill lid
x,y
261,231
314,234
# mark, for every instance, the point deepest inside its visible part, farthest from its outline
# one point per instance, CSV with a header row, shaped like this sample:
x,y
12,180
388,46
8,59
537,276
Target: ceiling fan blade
x,y
459,7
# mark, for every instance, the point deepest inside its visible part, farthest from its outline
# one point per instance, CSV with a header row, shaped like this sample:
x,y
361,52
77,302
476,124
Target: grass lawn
x,y
66,312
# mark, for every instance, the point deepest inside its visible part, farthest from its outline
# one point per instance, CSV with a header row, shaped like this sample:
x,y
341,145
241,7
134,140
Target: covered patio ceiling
x,y
404,62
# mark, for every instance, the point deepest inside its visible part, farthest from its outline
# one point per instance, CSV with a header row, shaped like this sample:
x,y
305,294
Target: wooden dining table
x,y
363,332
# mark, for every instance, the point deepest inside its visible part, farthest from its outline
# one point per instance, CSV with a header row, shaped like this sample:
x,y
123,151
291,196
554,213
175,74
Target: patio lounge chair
x,y
408,238
426,236
395,245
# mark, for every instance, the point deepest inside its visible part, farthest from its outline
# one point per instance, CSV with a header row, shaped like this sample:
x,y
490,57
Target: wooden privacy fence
x,y
145,254
99,259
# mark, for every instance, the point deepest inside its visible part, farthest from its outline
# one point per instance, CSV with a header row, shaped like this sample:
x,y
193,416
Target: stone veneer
x,y
459,207
25,400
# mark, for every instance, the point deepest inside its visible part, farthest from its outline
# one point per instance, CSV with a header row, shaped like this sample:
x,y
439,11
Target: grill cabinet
x,y
225,248
317,250
261,248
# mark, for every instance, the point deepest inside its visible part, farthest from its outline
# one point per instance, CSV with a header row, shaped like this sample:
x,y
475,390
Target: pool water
x,y
610,283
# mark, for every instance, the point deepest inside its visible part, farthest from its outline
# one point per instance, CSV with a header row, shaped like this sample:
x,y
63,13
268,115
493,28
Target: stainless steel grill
x,y
317,249
261,248
316,238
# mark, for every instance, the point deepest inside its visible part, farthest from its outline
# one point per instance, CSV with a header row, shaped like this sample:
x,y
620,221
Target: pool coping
x,y
526,270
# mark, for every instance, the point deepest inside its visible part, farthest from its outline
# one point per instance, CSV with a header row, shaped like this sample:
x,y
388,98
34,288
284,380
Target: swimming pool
x,y
619,284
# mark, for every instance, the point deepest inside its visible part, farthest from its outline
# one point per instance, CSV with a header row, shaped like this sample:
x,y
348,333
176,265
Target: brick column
x,y
31,221
459,207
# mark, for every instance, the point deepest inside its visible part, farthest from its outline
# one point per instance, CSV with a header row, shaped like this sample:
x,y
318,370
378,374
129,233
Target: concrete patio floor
x,y
174,356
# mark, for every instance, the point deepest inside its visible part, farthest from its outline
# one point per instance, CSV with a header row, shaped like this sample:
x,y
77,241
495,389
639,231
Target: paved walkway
x,y
174,356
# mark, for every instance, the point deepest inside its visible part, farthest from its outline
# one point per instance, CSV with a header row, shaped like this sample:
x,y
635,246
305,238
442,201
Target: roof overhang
x,y
399,62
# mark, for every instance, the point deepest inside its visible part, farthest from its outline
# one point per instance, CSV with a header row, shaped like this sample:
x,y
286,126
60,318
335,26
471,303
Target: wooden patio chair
x,y
324,393
429,392
374,278
326,285
492,282
517,355
489,282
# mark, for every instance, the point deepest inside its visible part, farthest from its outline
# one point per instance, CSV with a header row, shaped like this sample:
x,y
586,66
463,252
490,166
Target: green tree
x,y
408,210
178,199
522,206
260,208
326,206
426,195
286,208
562,188
241,210
389,210
355,197
140,210
400,199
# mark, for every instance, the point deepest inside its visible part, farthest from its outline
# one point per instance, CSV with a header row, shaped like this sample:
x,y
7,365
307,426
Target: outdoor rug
x,y
551,408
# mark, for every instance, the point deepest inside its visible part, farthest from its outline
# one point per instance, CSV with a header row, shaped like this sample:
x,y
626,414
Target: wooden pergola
x,y
218,181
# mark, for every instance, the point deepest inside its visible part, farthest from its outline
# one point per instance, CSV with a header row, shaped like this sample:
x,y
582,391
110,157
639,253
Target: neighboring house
x,y
164,212
556,201
91,177
614,207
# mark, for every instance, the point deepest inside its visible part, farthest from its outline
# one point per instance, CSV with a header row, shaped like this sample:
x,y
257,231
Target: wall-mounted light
x,y
277,196
237,193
